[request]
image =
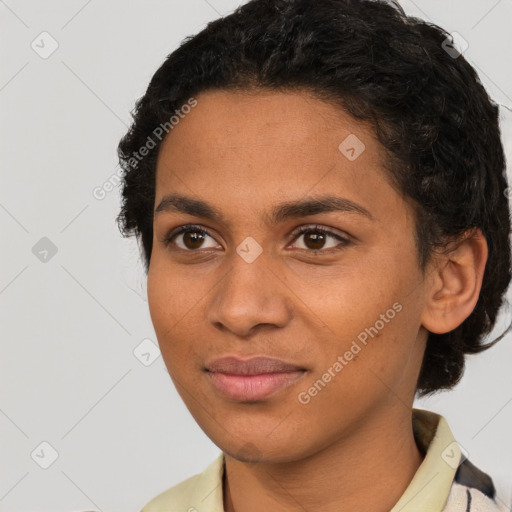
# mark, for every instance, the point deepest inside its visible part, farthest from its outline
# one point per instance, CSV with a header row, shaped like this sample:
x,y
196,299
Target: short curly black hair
x,y
424,101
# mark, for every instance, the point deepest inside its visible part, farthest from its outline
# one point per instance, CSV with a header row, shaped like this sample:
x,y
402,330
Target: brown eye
x,y
189,238
316,238
193,239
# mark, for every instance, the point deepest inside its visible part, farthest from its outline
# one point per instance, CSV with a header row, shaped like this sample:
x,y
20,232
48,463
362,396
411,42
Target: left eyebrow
x,y
323,204
281,212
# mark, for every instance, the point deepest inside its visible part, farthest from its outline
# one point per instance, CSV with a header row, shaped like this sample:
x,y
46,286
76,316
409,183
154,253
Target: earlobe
x,y
455,283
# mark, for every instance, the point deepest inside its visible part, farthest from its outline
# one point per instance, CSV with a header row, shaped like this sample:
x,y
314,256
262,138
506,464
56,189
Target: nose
x,y
250,295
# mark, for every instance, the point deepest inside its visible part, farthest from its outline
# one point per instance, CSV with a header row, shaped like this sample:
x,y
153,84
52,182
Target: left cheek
x,y
364,326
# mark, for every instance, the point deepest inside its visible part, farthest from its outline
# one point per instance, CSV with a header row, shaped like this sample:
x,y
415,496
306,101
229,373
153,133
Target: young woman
x,y
320,196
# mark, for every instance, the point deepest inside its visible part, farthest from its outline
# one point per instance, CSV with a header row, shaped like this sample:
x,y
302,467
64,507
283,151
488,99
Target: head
x,y
338,115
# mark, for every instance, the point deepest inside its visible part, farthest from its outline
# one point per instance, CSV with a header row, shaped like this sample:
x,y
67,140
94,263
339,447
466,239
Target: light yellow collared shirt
x,y
428,491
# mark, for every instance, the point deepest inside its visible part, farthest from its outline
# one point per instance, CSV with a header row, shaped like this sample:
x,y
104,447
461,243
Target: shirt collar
x,y
427,492
429,489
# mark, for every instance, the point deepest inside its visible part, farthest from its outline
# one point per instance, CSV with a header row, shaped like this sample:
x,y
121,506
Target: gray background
x,y
72,322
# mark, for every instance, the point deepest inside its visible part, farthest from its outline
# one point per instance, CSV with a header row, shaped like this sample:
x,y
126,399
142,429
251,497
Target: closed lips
x,y
253,366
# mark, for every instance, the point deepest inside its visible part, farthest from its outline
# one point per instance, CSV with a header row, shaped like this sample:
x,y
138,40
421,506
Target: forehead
x,y
225,118
272,128
250,147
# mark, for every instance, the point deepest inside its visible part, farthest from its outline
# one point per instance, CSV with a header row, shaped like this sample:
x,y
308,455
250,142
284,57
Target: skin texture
x,y
245,153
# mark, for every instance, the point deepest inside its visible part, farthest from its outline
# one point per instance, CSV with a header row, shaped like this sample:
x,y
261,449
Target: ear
x,y
455,281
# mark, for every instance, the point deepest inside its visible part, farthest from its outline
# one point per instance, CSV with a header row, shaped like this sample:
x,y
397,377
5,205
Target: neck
x,y
368,469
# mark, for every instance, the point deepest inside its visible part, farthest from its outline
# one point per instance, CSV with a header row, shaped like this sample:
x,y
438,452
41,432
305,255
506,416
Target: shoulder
x,y
175,496
198,492
468,499
472,491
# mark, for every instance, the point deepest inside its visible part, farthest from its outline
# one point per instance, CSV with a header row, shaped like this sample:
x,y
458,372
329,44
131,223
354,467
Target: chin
x,y
263,450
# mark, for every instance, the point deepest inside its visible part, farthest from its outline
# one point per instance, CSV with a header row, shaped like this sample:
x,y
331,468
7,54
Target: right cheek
x,y
159,293
154,308
161,315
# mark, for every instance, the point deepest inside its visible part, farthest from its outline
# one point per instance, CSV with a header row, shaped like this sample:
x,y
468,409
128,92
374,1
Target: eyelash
x,y
168,240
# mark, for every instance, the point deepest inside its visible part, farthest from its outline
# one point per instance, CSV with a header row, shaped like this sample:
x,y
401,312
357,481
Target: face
x,y
297,249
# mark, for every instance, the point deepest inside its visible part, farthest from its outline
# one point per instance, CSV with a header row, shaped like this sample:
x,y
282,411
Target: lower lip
x,y
251,388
